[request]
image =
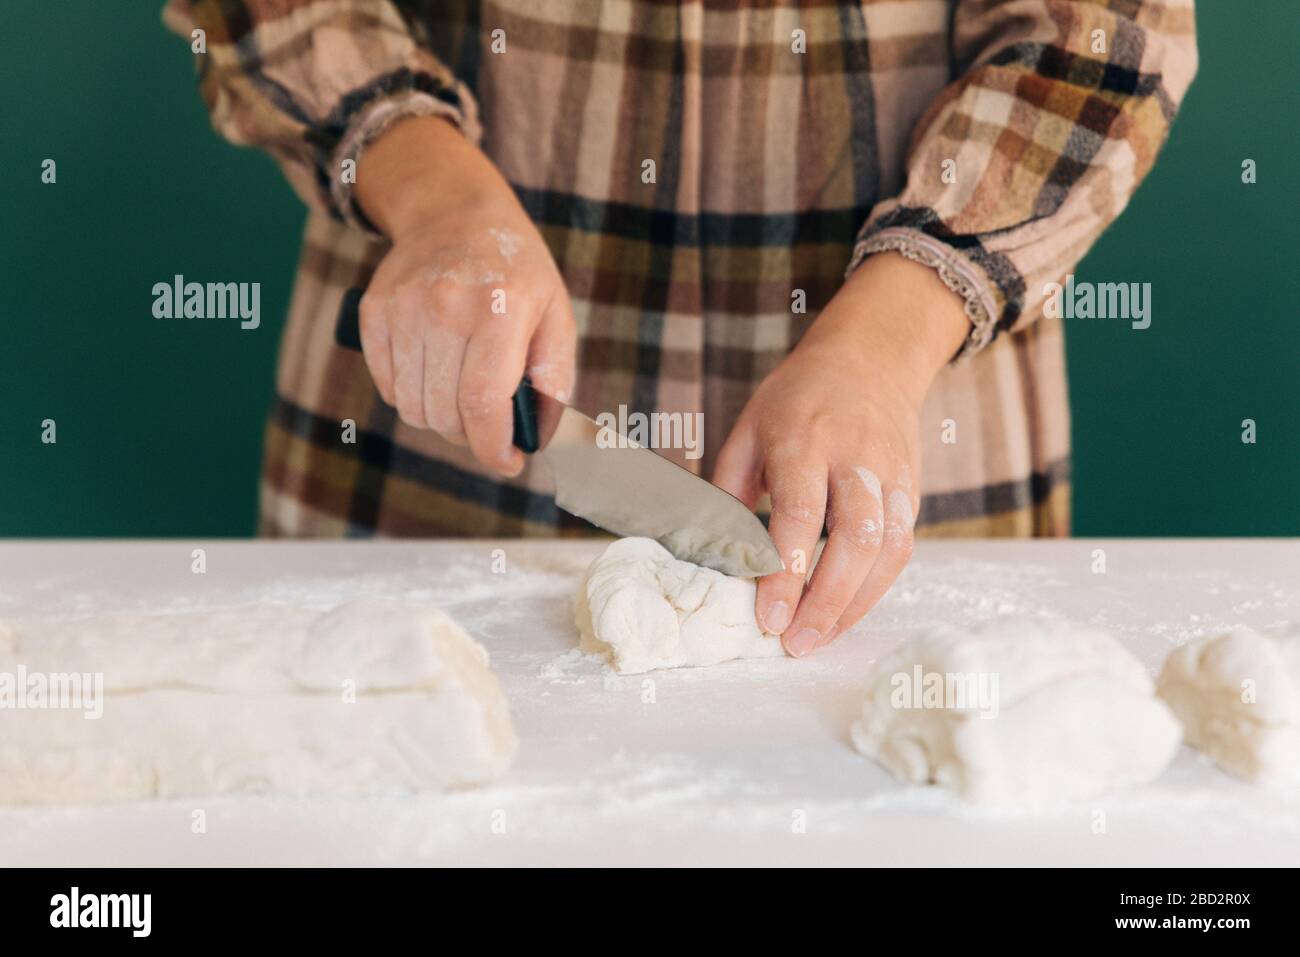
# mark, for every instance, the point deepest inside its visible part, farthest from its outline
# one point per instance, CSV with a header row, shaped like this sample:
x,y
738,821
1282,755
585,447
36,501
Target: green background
x,y
159,425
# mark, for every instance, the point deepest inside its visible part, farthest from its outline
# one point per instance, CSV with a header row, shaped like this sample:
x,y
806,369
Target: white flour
x,y
715,764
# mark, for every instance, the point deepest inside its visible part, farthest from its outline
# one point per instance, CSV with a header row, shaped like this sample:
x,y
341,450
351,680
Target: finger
x,y
375,345
551,351
856,523
551,361
895,552
444,355
408,373
798,492
494,364
737,469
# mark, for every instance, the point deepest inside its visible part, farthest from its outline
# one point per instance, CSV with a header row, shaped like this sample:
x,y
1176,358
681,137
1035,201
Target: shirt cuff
x,y
958,273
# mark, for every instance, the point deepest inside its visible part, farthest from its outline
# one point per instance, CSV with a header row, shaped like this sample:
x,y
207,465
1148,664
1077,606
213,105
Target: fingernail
x,y
512,462
802,643
777,618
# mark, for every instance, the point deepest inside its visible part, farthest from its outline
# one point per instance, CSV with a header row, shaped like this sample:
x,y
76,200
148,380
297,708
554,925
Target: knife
x,y
606,478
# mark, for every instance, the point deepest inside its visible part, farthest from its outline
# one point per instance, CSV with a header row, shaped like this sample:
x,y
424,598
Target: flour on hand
x,y
644,609
1238,696
1019,715
374,695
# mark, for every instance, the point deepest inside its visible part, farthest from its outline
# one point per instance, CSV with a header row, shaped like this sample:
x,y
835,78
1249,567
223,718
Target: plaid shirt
x,y
992,140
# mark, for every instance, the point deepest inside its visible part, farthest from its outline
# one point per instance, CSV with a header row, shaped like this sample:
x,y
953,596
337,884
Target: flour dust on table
x,y
375,695
644,609
1016,715
1238,696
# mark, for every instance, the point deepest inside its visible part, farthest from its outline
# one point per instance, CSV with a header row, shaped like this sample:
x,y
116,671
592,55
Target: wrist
x,y
900,317
419,170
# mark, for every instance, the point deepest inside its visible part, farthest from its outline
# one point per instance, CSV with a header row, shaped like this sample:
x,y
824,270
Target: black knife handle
x,y
347,333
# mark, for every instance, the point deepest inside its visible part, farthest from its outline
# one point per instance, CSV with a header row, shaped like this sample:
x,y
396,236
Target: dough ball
x,y
644,609
1016,715
1238,696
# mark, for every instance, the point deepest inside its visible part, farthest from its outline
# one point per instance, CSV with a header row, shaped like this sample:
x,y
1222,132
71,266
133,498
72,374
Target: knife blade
x,y
603,476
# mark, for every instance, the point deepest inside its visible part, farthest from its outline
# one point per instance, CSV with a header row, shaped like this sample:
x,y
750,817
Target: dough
x,y
701,548
1238,696
1016,715
644,609
253,699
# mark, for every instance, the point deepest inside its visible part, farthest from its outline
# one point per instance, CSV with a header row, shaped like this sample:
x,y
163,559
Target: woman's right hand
x,y
468,298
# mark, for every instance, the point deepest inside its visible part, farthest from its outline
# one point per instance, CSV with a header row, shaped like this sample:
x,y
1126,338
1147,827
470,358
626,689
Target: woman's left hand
x,y
832,436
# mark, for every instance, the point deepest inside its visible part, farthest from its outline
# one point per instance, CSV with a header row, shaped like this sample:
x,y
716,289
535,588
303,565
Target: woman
x,y
827,227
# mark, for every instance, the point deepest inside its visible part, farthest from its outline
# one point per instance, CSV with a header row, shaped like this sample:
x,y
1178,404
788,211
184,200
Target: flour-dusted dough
x,y
1071,714
1238,696
644,609
374,695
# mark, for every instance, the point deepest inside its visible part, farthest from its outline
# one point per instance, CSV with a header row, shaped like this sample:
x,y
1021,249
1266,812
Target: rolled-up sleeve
x,y
312,82
1058,112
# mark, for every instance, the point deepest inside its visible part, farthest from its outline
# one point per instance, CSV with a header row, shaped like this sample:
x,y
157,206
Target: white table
x,y
718,765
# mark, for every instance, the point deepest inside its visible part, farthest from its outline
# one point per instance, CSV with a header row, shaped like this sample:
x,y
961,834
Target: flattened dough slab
x,y
374,695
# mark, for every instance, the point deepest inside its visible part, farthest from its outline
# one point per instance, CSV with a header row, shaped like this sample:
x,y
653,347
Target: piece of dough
x,y
1238,696
644,609
374,695
1016,715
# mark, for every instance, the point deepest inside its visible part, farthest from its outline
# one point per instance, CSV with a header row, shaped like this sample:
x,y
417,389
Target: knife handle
x,y
347,333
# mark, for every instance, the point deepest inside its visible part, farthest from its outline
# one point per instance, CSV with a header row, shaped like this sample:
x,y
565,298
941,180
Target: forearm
x,y
901,319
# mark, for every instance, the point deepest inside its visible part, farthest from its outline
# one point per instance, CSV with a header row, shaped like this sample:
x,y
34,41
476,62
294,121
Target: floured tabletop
x,y
740,763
